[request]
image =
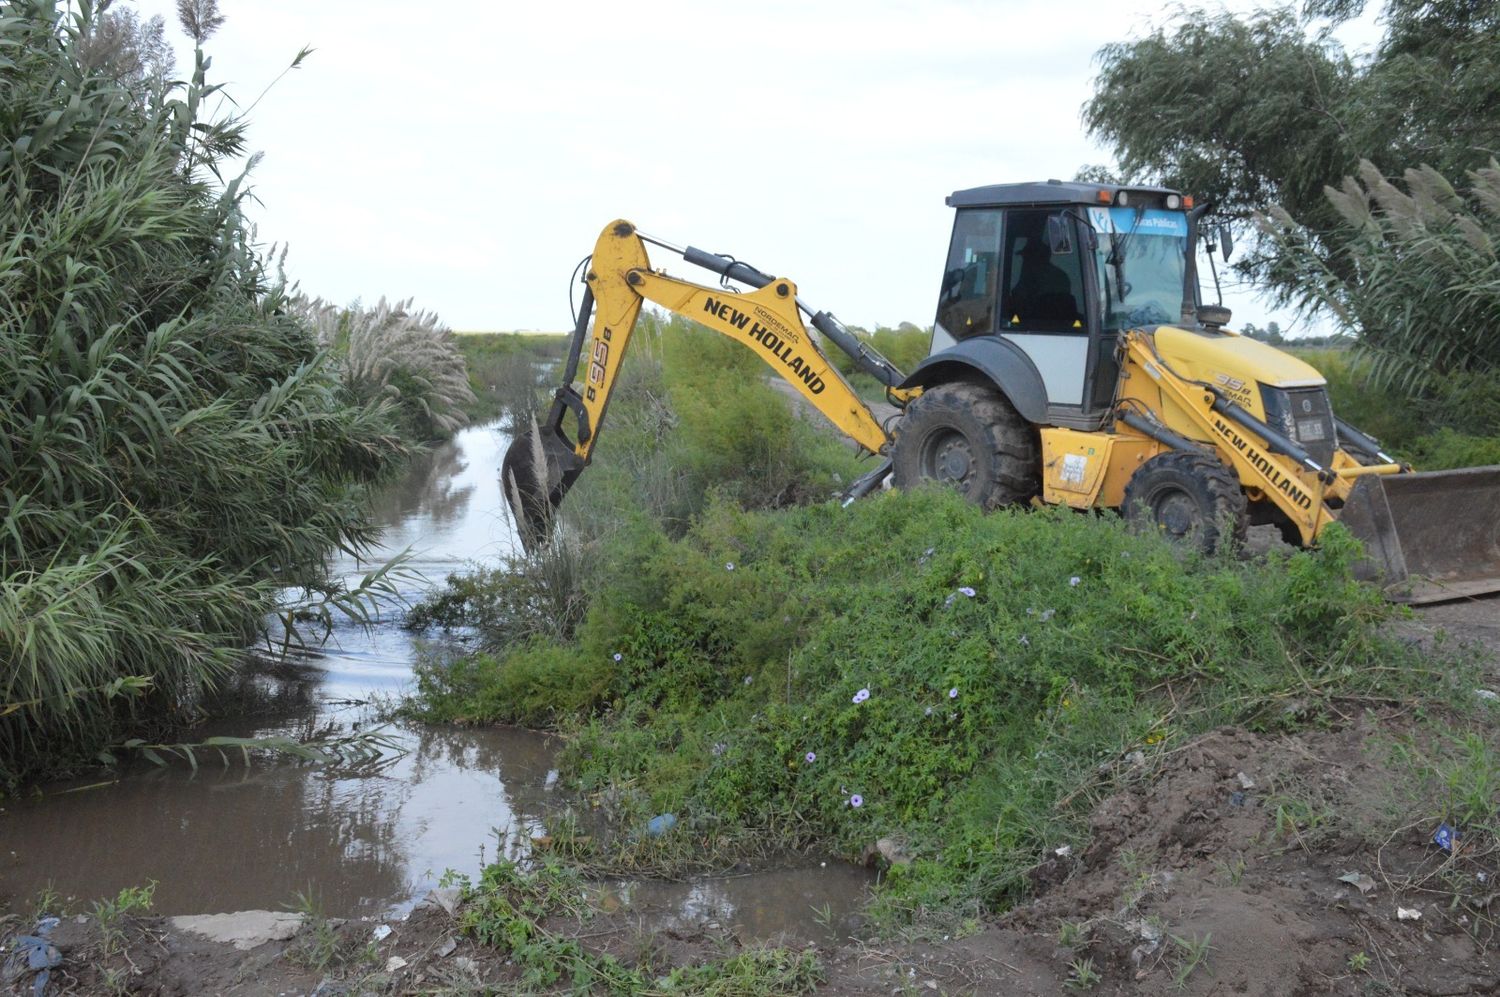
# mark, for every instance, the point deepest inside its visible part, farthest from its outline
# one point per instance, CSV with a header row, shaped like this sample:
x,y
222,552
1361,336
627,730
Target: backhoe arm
x,y
538,471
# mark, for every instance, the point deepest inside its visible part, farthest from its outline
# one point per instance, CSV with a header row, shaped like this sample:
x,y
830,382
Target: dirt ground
x,y
1240,864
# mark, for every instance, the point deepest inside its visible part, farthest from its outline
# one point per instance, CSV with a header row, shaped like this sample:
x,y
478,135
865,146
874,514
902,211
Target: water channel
x,y
366,844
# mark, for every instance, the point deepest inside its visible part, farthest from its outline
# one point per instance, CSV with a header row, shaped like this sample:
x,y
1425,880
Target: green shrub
x,y
744,644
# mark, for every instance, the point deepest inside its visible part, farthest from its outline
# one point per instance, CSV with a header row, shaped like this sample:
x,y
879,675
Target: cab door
x,y
1042,301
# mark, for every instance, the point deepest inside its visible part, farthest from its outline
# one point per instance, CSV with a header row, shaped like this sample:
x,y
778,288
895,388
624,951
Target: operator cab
x,y
1054,271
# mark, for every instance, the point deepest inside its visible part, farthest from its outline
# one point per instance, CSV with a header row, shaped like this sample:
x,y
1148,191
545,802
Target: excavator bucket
x,y
539,468
1429,536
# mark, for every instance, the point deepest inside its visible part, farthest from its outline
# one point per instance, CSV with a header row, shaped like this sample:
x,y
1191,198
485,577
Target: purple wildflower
x,y
862,695
749,679
619,656
810,757
953,693
856,800
1075,581
729,566
966,590
1047,614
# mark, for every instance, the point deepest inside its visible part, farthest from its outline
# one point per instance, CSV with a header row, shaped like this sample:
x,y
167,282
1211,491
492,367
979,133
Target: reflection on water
x,y
232,838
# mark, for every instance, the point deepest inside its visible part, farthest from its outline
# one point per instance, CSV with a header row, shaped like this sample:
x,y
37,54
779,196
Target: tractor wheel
x,y
1193,499
970,437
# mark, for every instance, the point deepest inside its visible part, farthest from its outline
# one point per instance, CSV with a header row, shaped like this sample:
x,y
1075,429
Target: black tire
x,y
1192,499
970,437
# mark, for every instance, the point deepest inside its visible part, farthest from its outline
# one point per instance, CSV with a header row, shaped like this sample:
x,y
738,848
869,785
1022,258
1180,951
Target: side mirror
x,y
1058,239
1226,242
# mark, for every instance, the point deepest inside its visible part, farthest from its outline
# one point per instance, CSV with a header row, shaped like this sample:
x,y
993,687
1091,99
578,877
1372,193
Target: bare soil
x,y
1239,863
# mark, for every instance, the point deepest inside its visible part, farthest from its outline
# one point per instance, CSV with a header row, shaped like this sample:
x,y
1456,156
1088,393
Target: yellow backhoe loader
x,y
1072,362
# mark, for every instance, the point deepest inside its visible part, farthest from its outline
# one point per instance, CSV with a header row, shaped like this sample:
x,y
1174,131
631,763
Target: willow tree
x,y
1269,109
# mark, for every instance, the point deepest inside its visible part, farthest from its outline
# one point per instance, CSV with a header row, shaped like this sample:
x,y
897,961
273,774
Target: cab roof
x,y
1042,192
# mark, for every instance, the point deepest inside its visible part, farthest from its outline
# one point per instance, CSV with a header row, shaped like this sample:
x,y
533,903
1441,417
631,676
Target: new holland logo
x,y
1263,464
775,344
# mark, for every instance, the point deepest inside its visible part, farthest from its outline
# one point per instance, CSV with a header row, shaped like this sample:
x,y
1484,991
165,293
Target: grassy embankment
x,y
784,673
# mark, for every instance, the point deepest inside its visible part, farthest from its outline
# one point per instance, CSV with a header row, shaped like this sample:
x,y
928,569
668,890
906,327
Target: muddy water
x,y
233,838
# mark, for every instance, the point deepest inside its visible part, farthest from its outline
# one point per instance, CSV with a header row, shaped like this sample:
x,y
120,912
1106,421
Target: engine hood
x,y
1222,358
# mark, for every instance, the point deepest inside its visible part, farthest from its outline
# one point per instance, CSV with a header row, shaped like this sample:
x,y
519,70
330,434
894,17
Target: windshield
x,y
1142,262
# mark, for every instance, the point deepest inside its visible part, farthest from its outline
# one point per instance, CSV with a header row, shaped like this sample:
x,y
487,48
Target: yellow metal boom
x,y
537,473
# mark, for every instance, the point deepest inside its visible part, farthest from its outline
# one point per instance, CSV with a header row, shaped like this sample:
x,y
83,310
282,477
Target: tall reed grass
x,y
176,448
392,352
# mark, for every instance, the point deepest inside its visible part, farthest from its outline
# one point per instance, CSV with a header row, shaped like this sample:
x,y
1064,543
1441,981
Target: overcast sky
x,y
468,154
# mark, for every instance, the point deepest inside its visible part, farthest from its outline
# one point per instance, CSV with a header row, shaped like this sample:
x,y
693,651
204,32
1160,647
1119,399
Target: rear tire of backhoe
x,y
967,436
1194,500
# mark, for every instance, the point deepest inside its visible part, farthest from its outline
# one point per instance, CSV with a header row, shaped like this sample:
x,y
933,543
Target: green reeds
x,y
174,447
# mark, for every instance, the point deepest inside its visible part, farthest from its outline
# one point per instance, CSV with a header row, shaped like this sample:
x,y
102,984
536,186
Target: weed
x,y
1359,962
48,901
1232,870
1082,975
109,915
317,946
1300,813
823,916
1194,953
1072,933
506,908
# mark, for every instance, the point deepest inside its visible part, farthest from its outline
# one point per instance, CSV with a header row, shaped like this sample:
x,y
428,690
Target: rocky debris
x,y
245,929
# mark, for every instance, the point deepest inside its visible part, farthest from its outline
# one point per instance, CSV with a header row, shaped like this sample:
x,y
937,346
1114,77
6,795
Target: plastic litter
x,y
381,932
1245,781
1445,836
1359,880
32,953
1488,694
394,963
1408,914
661,824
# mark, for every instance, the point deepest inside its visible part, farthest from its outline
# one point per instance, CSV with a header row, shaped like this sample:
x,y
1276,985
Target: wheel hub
x,y
948,458
1177,514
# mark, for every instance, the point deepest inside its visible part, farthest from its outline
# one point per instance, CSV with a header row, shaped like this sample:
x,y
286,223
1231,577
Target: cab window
x,y
1043,282
966,303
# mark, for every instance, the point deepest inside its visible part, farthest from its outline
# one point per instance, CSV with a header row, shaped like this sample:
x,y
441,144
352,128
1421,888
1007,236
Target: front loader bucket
x,y
1429,536
539,468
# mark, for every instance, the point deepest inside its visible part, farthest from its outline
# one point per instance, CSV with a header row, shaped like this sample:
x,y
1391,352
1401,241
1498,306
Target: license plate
x,y
1310,430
